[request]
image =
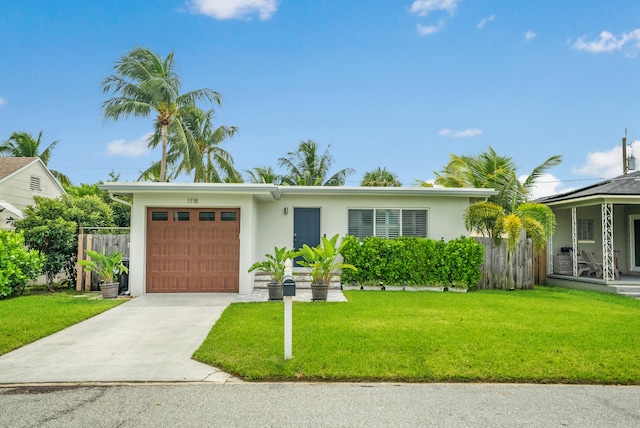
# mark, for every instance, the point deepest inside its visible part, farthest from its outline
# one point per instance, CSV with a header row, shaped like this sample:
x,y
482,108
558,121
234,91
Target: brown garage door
x,y
193,250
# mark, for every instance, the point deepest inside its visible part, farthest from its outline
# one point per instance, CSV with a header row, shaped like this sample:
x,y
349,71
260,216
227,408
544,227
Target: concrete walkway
x,y
150,338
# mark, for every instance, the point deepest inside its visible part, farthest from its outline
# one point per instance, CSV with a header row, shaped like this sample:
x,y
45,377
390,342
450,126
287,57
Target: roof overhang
x,y
272,192
4,205
595,200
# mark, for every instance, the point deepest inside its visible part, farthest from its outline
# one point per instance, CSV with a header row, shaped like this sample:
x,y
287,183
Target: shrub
x,y
17,264
413,261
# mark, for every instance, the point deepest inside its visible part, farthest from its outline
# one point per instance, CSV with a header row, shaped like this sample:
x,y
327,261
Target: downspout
x,y
122,201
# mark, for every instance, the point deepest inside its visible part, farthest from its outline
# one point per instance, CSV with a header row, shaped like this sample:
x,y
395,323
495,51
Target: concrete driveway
x,y
149,338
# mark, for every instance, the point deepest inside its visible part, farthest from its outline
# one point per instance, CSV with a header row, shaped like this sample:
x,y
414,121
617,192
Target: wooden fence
x,y
497,272
88,281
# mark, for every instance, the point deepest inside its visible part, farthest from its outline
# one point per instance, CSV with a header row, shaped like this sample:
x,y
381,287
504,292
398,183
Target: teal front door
x,y
306,227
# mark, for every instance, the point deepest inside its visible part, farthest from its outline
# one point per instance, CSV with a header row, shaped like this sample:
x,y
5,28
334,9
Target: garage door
x,y
193,250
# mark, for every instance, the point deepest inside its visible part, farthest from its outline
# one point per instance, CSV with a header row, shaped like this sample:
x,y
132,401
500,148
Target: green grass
x,y
548,335
28,318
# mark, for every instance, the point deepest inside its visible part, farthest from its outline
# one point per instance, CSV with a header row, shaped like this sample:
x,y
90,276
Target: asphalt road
x,y
319,405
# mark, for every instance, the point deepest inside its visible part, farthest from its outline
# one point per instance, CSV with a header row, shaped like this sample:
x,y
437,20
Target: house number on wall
x,y
192,200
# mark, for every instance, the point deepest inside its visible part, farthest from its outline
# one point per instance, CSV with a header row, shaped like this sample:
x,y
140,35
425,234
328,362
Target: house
x,y
203,237
21,179
601,221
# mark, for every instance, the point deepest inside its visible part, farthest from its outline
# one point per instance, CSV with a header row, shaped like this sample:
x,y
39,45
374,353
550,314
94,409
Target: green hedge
x,y
17,264
413,261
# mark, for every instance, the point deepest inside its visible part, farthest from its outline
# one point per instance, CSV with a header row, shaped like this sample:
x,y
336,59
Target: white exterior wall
x,y
276,229
15,189
137,250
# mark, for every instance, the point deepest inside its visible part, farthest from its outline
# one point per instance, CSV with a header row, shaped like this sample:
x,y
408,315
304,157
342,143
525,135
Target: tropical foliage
x,y
307,167
22,144
274,264
142,83
380,177
17,264
322,261
106,266
264,175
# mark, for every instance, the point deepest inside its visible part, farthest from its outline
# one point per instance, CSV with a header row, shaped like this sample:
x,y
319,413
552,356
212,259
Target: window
x,y
207,216
34,183
585,230
228,216
159,216
387,223
181,216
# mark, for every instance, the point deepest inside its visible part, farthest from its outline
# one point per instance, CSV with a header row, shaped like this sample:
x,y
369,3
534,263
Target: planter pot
x,y
109,291
319,291
275,291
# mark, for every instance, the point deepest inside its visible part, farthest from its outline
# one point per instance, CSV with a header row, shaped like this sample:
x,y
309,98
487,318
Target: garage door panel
x,y
192,250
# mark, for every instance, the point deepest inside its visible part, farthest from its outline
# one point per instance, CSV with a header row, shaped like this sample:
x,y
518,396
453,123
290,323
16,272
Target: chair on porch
x,y
584,267
592,263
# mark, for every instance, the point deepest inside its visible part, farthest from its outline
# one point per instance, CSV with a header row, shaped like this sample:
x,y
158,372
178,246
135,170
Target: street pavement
x,y
319,405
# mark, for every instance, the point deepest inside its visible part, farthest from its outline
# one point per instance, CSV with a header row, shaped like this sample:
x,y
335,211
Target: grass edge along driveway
x,y
26,319
547,335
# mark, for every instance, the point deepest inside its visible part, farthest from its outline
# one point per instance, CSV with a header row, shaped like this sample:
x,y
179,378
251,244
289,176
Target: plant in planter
x,y
106,267
321,263
273,265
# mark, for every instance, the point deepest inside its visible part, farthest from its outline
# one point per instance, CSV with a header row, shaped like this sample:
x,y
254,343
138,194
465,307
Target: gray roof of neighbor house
x,y
622,185
9,165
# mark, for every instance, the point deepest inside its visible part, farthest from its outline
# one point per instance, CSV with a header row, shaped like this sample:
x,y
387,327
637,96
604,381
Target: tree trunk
x,y
163,160
49,281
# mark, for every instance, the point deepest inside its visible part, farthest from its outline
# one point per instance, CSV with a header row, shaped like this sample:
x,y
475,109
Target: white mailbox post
x,y
288,291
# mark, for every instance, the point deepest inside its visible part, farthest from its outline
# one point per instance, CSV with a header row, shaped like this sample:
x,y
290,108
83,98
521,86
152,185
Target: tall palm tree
x,y
490,170
22,144
380,177
143,83
305,167
264,175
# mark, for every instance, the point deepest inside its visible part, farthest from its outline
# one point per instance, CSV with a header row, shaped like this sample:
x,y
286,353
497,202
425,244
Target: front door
x,y
634,228
306,228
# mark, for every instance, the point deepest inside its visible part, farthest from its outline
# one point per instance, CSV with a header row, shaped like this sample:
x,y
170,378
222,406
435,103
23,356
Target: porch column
x,y
608,263
550,255
574,241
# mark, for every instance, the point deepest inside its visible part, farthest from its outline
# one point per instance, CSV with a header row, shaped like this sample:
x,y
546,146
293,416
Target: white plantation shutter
x,y
361,223
388,223
414,223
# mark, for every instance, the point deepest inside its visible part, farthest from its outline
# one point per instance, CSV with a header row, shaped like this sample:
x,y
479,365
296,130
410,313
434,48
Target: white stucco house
x,y
201,237
22,178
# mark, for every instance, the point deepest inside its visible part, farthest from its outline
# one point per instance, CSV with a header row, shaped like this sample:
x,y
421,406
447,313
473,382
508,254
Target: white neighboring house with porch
x,y
601,221
202,237
22,178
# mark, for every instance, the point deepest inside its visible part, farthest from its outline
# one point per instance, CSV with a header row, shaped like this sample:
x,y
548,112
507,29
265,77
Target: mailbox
x,y
288,286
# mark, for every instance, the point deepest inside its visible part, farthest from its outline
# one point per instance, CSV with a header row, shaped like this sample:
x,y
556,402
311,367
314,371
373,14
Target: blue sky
x,y
390,83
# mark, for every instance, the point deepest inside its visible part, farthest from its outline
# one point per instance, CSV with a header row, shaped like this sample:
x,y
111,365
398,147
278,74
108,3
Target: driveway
x,y
149,338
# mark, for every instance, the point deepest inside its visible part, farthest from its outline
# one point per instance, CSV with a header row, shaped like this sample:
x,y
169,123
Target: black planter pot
x,y
275,291
319,291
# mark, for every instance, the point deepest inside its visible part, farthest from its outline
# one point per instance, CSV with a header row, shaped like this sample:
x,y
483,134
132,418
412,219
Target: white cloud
x,y
485,21
234,9
131,149
425,7
529,35
607,42
2,102
425,30
471,132
606,164
546,185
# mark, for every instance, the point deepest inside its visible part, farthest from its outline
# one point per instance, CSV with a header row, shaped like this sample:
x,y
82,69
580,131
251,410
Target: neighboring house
x,y
204,237
21,179
600,221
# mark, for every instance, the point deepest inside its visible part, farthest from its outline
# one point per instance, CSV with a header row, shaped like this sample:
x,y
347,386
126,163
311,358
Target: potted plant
x,y
106,267
273,265
321,261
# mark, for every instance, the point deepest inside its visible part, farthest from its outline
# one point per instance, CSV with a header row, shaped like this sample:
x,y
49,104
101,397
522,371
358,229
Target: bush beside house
x,y
17,264
413,261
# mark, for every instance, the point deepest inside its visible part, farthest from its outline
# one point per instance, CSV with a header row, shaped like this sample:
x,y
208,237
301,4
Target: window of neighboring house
x,y
387,223
585,230
34,183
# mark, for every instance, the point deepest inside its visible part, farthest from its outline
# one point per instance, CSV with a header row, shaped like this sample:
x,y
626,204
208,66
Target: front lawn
x,y
26,319
548,335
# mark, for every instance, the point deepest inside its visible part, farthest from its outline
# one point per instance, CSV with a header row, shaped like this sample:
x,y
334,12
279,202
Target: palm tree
x,y
380,177
144,82
22,144
306,168
264,175
490,170
209,162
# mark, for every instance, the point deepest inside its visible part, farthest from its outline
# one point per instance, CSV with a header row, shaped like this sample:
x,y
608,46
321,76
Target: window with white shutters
x,y
387,223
